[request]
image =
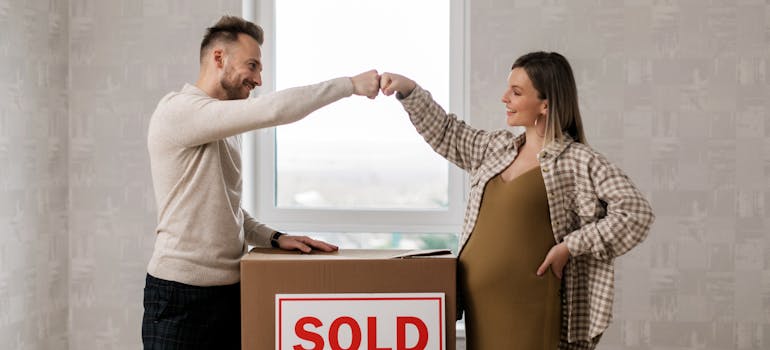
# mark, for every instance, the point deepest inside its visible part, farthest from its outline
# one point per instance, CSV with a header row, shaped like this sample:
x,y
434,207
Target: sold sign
x,y
393,321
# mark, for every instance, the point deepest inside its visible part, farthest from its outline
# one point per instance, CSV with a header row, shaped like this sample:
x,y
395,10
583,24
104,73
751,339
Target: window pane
x,y
357,153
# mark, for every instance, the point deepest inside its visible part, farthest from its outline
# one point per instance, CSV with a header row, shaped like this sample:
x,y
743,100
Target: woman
x,y
539,200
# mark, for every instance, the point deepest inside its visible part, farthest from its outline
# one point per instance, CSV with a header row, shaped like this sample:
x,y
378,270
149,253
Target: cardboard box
x,y
346,283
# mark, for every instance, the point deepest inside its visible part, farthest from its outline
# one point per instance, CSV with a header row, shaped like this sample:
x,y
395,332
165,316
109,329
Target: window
x,y
358,165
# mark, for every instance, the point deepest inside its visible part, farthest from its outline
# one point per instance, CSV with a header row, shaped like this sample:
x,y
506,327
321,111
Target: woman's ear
x,y
544,107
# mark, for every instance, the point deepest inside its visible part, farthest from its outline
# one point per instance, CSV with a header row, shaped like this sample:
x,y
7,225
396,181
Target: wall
x,y
34,265
676,93
124,56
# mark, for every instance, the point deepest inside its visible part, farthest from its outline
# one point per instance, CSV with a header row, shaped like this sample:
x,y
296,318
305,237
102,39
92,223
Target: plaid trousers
x,y
181,316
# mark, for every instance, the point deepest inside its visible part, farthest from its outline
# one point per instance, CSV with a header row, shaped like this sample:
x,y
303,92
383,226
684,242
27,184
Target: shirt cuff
x,y
575,246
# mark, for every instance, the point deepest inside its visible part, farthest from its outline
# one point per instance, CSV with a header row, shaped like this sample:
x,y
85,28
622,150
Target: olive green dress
x,y
507,305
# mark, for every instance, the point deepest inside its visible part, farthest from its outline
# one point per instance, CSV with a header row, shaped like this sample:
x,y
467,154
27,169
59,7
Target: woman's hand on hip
x,y
556,258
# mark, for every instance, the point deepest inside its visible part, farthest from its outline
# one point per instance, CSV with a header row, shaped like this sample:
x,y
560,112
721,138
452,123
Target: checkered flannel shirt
x,y
594,206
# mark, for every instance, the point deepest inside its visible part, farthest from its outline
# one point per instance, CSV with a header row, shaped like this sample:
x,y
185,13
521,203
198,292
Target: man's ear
x,y
219,57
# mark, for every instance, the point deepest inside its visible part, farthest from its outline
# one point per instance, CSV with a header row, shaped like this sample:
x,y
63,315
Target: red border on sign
x,y
280,313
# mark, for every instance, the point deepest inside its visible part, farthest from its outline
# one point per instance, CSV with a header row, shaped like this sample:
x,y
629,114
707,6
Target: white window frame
x,y
258,152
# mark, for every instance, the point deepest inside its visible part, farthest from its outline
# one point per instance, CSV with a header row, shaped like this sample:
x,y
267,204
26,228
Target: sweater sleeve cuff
x,y
262,237
345,85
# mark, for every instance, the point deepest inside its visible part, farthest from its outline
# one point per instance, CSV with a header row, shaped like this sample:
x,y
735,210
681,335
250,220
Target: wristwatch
x,y
274,238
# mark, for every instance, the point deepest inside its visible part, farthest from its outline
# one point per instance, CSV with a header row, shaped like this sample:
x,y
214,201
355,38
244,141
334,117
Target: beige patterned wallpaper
x,y
34,264
124,56
676,92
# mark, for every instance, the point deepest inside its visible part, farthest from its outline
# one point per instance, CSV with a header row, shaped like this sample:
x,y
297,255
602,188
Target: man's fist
x,y
366,84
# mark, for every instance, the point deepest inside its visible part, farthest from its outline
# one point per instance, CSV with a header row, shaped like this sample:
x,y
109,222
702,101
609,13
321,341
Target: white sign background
x,y
386,307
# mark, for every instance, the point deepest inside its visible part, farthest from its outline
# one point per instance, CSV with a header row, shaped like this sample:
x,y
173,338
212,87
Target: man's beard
x,y
233,89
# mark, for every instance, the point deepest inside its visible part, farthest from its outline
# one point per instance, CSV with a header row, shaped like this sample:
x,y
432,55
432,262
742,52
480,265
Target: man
x,y
192,293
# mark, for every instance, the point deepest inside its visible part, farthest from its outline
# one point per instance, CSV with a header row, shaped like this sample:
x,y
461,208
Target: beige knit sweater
x,y
194,145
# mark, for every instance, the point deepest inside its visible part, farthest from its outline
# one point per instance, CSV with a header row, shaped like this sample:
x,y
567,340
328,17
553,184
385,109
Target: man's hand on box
x,y
304,244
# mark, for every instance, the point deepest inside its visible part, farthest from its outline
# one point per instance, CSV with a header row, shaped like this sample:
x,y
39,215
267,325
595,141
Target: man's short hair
x,y
227,29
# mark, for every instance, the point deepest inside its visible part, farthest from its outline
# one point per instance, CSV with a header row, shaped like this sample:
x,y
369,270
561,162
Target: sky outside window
x,y
358,153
